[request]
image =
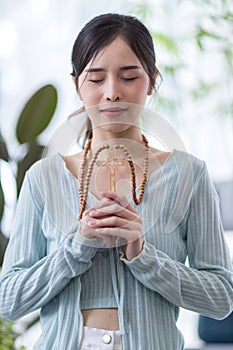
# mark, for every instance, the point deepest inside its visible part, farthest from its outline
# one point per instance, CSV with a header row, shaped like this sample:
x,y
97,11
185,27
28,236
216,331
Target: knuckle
x,y
116,208
139,220
114,220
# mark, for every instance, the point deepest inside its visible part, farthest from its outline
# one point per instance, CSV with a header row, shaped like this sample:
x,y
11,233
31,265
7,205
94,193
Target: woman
x,y
115,277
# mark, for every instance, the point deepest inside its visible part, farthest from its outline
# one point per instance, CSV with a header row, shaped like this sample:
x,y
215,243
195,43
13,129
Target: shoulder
x,y
196,175
188,163
45,171
37,176
185,176
51,164
185,172
45,177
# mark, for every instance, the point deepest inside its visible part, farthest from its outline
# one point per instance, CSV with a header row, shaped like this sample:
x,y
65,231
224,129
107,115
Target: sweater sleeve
x,y
30,278
205,286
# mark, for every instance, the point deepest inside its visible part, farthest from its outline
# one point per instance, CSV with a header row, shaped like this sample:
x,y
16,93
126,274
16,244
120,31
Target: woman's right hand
x,y
85,229
88,231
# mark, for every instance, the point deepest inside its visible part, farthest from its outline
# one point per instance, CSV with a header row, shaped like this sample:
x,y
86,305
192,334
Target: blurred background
x,y
193,44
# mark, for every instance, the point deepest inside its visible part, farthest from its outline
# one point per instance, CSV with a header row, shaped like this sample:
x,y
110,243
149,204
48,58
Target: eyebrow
x,y
93,70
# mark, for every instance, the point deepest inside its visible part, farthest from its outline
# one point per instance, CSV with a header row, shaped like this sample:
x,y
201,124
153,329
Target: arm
x,y
206,285
30,278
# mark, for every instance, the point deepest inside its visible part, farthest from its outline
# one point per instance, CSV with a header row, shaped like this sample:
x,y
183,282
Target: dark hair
x,y
102,30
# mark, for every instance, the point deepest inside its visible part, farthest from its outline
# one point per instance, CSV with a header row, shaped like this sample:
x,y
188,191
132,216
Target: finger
x,y
110,221
122,200
125,234
110,201
112,209
101,203
109,198
115,211
109,194
86,212
86,216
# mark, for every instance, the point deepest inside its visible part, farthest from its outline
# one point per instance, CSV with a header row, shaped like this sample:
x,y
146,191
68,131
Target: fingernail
x,y
93,212
92,223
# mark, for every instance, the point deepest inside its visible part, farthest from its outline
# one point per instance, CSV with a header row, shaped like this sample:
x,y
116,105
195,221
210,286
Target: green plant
x,y
8,336
33,120
209,29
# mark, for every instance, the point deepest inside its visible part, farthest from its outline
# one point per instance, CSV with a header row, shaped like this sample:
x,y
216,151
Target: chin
x,y
115,128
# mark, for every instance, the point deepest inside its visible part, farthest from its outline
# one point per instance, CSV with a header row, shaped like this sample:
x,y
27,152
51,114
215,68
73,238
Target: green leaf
x,y
228,54
7,335
167,42
2,201
202,89
172,69
36,114
34,154
199,44
3,149
228,16
203,33
3,244
142,10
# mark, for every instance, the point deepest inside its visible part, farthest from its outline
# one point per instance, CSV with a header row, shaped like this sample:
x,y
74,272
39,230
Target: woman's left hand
x,y
113,217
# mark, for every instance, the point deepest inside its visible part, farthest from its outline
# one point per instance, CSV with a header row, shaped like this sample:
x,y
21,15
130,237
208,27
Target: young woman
x,y
100,238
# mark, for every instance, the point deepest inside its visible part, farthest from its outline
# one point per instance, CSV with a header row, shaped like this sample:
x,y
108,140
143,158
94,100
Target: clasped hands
x,y
112,217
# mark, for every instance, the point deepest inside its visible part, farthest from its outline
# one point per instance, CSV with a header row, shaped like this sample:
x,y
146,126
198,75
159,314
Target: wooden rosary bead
x,y
84,185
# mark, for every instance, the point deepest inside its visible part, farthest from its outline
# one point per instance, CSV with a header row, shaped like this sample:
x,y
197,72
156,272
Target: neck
x,y
126,138
135,148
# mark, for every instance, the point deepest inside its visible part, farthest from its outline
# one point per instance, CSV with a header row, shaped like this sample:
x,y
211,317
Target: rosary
x,y
112,163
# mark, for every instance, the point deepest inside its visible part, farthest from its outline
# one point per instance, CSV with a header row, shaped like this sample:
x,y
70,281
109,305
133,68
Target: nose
x,y
112,90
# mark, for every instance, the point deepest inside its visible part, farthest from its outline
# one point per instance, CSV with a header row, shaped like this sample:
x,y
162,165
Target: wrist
x,y
134,249
86,240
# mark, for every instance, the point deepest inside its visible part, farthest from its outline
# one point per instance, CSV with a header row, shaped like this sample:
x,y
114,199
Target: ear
x,y
76,85
150,90
74,79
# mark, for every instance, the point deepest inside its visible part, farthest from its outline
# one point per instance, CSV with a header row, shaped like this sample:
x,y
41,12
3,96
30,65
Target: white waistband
x,y
100,339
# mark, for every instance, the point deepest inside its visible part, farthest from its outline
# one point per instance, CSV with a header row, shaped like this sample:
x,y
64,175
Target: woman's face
x,y
112,80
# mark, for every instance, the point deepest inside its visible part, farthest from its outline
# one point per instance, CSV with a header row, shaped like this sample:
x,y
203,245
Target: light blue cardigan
x,y
47,258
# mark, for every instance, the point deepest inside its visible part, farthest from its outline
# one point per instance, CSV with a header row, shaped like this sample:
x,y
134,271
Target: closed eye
x,y
95,80
130,79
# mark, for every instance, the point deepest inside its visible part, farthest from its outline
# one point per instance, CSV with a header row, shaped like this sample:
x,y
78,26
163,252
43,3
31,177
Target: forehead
x,y
117,52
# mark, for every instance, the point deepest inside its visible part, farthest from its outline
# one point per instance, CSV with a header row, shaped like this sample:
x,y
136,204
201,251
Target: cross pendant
x,y
112,163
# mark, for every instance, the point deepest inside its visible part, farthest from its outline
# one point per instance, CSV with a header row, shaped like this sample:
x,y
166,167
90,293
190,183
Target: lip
x,y
113,111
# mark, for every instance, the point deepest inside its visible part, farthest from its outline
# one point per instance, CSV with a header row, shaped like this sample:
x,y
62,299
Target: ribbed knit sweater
x,y
184,262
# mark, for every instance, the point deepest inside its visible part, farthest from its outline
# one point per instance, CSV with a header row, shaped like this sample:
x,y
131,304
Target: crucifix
x,y
112,163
